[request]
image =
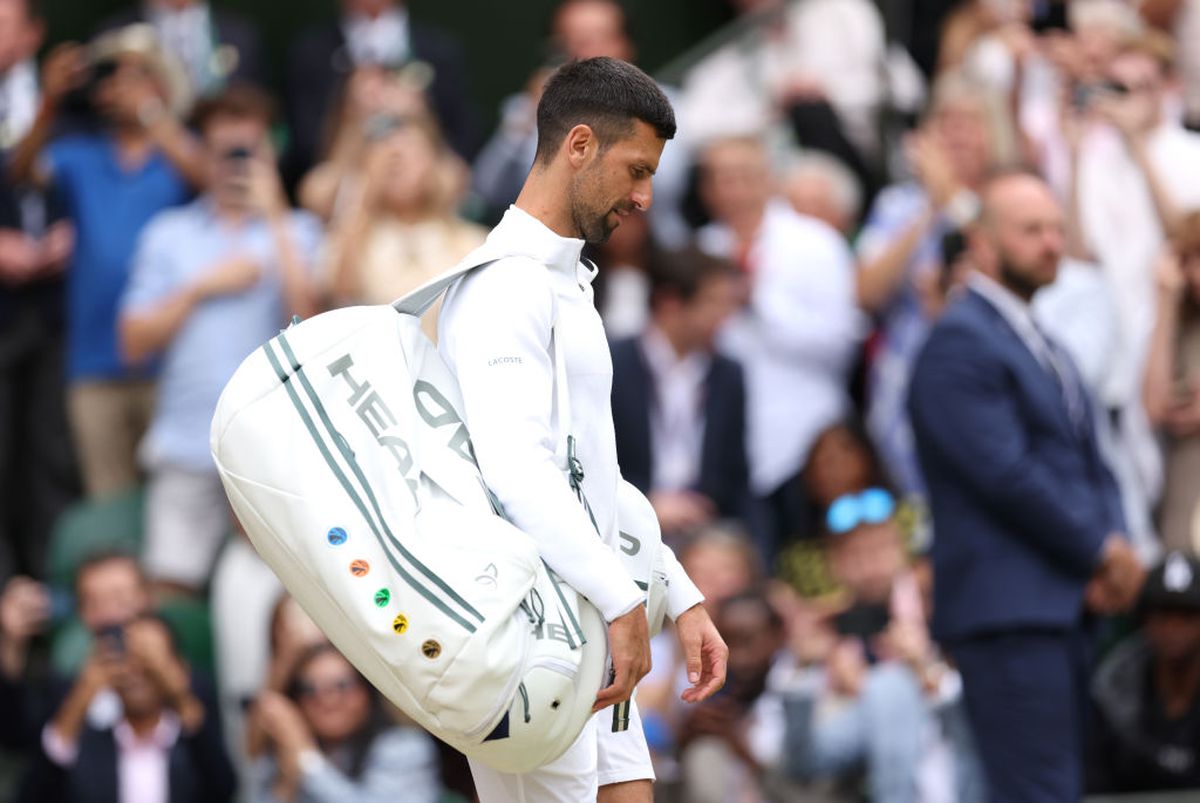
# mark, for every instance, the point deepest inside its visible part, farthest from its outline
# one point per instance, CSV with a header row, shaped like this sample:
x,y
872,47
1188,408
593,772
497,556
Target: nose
x,y
642,195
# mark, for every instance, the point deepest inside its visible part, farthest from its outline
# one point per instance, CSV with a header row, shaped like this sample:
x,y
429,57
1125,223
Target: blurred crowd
x,y
164,211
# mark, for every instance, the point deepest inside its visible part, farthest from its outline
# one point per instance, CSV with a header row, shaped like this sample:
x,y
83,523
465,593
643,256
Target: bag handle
x,y
417,301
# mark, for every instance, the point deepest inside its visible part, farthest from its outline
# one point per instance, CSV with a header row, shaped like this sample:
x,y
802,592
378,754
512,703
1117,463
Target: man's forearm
x,y
143,334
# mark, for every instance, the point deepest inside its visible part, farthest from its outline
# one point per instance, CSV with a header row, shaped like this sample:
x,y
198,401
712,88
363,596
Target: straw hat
x,y
141,40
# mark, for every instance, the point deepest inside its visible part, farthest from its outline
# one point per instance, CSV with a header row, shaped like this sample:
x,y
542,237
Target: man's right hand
x,y
229,277
629,645
1118,578
65,69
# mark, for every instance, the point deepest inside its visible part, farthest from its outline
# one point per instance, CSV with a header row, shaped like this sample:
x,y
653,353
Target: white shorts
x,y
187,520
599,757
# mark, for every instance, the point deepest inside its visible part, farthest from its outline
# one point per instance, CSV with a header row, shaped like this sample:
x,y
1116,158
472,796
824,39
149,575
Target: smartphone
x,y
113,637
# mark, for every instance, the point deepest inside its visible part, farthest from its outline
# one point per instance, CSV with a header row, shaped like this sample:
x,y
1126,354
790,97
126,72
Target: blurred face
x,y
1023,235
127,75
718,571
1174,636
367,8
230,145
611,183
410,165
752,641
960,127
140,696
20,36
1141,79
586,29
812,194
867,560
111,593
735,180
333,698
837,465
703,316
1095,47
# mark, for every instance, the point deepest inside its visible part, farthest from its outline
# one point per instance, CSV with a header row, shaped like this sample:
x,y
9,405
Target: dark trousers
x,y
1026,697
38,478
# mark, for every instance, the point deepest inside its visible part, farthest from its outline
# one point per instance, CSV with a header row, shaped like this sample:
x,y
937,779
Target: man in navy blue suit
x,y
1029,545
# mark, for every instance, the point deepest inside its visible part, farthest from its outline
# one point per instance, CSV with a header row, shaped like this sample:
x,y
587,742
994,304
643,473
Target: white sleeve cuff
x,y
682,593
58,749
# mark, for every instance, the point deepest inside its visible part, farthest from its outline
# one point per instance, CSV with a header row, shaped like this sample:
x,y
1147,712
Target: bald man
x,y
1029,548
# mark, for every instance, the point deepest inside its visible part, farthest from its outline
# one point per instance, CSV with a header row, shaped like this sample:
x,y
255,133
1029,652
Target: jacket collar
x,y
521,234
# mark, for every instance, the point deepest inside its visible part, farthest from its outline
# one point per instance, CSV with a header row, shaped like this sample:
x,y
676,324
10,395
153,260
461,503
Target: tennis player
x,y
602,124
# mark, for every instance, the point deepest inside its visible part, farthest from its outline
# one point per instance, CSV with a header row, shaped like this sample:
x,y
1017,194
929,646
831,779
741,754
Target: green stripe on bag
x,y
348,456
284,379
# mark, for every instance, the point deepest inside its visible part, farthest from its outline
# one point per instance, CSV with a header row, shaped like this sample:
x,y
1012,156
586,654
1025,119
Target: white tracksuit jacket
x,y
494,332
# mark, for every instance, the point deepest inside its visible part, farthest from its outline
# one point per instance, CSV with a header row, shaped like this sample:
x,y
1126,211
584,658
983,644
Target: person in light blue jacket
x,y
328,739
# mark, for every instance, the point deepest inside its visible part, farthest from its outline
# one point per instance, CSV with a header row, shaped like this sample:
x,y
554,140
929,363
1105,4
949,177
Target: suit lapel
x,y
1030,372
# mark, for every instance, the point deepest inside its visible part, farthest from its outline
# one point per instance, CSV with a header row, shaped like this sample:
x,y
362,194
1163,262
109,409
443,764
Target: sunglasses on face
x,y
872,506
310,691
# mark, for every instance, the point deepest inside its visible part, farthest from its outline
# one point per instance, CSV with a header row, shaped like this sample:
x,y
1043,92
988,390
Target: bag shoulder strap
x,y
417,301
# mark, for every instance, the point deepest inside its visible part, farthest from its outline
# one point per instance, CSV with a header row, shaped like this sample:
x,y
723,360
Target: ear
x,y
580,145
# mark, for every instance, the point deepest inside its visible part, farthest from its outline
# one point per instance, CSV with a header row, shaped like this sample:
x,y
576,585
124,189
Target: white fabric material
x,y
796,339
382,40
676,412
494,333
187,521
838,44
244,594
1079,311
1122,229
599,757
19,97
626,308
142,763
354,478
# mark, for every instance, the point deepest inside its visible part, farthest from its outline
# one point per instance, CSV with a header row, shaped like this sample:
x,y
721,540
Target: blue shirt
x,y
904,324
109,205
176,248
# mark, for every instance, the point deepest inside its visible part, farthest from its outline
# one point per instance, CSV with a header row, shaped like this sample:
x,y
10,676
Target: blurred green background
x,y
503,41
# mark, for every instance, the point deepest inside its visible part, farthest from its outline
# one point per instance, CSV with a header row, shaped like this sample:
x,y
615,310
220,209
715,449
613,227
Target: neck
x,y
1177,683
746,225
143,724
675,335
541,199
130,136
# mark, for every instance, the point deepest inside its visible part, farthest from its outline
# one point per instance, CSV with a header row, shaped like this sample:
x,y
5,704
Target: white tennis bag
x,y
345,458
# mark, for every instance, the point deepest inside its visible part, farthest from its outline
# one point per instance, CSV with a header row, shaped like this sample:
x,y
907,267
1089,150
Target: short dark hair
x,y
238,101
681,274
604,93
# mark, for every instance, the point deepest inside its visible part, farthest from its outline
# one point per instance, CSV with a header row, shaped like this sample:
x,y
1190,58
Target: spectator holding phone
x,y
139,162
398,226
164,746
1171,388
211,281
327,739
873,694
110,591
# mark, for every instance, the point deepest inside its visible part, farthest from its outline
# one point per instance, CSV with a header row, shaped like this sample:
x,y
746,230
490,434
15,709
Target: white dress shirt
x,y
1122,229
143,762
19,99
676,411
382,40
796,339
494,333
